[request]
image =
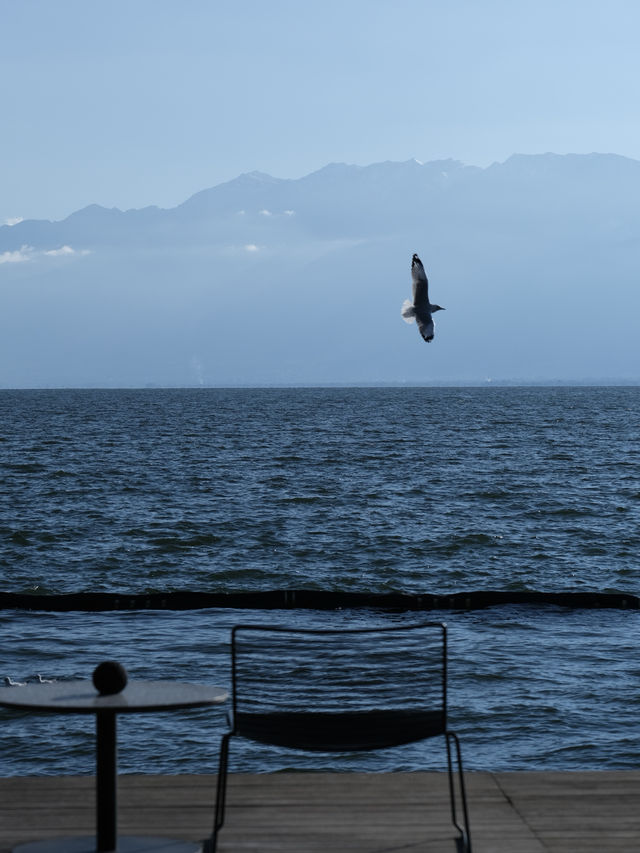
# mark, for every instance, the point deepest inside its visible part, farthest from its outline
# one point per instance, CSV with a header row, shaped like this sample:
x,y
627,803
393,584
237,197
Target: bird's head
x,y
415,260
435,308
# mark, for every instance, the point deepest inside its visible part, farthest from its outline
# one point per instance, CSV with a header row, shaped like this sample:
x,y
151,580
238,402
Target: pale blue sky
x,y
147,101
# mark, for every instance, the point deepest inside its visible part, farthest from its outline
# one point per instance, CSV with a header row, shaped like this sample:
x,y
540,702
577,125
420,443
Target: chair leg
x,y
465,835
221,791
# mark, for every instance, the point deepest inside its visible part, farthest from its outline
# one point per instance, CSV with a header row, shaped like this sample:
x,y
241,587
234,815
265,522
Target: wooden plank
x,y
351,812
585,811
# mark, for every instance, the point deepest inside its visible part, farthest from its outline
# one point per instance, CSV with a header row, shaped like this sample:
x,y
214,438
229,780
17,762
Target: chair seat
x,y
340,731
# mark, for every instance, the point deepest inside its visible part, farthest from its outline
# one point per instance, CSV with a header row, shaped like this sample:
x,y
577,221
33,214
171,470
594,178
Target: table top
x,y
137,696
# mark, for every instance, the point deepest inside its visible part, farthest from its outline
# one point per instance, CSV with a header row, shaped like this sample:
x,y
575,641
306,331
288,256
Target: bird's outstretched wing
x,y
420,283
425,324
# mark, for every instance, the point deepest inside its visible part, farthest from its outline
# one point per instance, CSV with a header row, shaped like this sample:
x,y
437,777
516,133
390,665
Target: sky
x,y
144,102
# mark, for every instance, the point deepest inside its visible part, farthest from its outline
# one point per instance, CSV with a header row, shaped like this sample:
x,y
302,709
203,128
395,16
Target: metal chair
x,y
337,690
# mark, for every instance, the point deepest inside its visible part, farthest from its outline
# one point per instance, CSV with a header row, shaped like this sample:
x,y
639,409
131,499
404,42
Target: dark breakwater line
x,y
310,599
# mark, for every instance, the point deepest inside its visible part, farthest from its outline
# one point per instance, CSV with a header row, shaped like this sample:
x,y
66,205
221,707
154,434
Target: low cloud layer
x,y
18,256
28,253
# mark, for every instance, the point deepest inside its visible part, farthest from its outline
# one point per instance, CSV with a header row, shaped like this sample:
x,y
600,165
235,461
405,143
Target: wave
x,y
312,599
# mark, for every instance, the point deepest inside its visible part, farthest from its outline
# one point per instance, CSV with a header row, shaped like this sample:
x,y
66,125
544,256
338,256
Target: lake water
x,y
361,489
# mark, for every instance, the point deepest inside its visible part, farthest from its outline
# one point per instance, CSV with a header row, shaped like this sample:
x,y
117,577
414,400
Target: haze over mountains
x,y
271,281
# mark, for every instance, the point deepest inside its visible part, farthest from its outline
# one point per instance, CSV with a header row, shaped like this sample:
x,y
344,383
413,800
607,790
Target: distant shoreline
x,y
449,383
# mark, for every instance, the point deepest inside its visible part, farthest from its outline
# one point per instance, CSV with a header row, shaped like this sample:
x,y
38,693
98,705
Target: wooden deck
x,y
595,812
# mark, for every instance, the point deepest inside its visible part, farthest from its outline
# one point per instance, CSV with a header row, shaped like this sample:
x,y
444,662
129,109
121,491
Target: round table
x,y
81,697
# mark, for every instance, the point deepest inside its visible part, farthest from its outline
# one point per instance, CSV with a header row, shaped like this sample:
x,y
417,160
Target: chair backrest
x,y
339,689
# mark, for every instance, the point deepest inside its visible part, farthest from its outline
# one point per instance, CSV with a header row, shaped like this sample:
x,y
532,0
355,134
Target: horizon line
x,y
613,382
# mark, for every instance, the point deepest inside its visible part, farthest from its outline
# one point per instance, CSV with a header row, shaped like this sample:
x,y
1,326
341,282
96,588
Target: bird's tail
x,y
408,311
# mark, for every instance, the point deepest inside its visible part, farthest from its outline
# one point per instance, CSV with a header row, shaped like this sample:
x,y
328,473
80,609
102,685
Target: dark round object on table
x,y
109,677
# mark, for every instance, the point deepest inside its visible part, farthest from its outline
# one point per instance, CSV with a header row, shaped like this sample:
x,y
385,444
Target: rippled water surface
x,y
375,489
412,490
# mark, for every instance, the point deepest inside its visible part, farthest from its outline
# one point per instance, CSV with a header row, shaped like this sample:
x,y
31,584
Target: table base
x,y
126,844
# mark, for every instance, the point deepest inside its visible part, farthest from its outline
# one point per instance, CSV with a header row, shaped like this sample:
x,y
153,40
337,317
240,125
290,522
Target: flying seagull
x,y
420,309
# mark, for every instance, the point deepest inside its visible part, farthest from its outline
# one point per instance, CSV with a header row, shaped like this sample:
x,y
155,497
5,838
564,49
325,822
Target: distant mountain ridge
x,y
252,193
383,195
271,280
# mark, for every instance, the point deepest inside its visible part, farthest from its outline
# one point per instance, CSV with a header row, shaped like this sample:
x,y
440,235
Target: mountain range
x,y
264,280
